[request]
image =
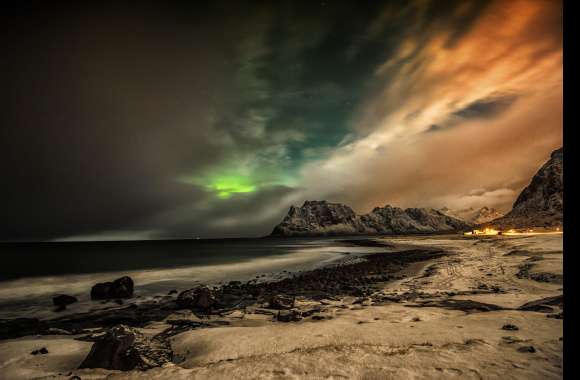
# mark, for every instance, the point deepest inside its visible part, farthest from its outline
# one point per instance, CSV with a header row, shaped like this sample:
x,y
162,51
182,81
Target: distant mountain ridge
x,y
541,203
474,216
322,218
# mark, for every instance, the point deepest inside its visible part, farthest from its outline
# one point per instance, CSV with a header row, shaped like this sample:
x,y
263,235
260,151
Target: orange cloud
x,y
514,48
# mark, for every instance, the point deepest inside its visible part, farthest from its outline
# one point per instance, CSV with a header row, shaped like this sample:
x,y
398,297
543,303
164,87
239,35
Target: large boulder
x,y
124,348
120,288
200,297
63,300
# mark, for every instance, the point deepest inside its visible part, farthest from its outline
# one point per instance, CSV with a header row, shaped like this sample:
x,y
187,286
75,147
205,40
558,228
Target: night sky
x,y
211,119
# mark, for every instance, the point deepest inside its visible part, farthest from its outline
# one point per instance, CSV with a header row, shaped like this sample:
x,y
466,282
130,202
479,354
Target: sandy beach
x,y
457,307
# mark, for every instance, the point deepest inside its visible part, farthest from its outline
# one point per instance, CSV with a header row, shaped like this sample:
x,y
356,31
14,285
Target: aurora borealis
x,y
211,119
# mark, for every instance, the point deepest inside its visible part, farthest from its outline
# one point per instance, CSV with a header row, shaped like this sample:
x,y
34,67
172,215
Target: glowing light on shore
x,y
485,231
512,232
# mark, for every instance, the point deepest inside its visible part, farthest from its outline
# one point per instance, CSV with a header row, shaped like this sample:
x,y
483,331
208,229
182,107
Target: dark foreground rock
x,y
200,297
120,288
124,348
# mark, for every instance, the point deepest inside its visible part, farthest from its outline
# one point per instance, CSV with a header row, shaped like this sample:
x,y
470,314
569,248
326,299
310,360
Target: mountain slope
x,y
541,203
319,218
474,216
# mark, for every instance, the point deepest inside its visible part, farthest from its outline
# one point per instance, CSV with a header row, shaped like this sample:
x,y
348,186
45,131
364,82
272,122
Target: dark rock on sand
x,y
544,304
525,349
200,297
289,316
63,300
510,327
124,348
120,288
42,351
281,302
468,306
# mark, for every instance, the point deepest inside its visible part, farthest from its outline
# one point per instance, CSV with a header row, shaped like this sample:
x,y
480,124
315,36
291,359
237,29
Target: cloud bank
x,y
211,120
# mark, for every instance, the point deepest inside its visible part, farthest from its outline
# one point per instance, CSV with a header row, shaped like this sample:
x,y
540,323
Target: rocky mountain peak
x,y
541,203
316,218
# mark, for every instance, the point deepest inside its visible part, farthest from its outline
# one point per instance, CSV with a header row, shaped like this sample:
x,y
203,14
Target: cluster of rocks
x,y
119,289
357,279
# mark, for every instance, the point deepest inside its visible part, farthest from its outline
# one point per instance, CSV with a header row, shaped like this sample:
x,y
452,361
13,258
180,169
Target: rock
x,y
42,351
510,327
63,300
124,348
120,288
510,339
289,316
468,306
172,291
200,297
529,349
543,305
281,302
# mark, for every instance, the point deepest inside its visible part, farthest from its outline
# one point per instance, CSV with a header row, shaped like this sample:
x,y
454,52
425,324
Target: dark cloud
x,y
486,108
434,128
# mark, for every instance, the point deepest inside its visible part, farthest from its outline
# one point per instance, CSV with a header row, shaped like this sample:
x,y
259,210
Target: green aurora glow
x,y
225,186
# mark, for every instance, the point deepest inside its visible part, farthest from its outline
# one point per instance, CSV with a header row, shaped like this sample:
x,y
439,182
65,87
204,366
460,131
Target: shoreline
x,y
338,274
488,307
